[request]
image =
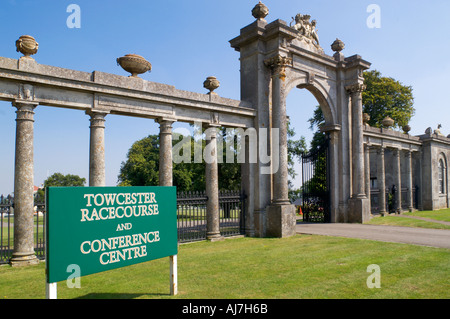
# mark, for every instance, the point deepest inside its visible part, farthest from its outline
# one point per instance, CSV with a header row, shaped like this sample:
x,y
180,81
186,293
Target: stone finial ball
x,y
337,45
260,11
27,45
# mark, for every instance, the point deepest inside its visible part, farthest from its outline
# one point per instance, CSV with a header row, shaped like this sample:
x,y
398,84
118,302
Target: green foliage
x,y
387,97
58,179
142,165
295,151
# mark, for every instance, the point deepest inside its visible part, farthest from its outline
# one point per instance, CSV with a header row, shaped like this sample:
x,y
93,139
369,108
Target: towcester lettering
x,y
103,228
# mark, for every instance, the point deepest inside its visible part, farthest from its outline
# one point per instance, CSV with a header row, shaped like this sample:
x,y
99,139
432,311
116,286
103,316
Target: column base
x,y
23,259
214,237
281,220
358,210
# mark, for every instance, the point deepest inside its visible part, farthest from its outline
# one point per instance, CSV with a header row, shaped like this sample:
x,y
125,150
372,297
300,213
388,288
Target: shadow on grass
x,y
118,295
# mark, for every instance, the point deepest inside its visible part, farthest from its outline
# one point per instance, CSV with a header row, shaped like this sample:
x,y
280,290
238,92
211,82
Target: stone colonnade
x,y
380,151
24,253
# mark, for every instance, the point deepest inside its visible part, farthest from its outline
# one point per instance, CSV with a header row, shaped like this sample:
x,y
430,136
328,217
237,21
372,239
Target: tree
x,y
295,151
384,97
58,179
141,166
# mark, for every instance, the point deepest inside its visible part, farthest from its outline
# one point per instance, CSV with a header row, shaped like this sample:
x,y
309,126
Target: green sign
x,y
103,228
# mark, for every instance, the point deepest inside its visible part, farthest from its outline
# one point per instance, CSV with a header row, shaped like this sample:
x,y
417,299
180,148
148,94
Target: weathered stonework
x,y
23,253
97,175
275,58
165,152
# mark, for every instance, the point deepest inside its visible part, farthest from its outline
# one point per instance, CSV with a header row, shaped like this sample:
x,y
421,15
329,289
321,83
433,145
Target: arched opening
x,y
441,175
308,111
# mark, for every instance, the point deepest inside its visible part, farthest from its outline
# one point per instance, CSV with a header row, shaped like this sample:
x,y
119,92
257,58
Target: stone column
x,y
278,65
280,214
359,206
23,253
367,171
355,92
409,183
381,177
97,149
398,180
165,152
212,185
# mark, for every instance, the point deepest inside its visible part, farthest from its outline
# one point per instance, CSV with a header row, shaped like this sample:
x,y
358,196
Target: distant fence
x,y
191,220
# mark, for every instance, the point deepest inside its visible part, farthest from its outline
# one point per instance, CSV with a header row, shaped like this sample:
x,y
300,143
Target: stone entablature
x,y
116,94
389,138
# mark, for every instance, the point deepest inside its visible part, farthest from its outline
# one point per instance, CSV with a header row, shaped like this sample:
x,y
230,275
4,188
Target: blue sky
x,y
187,41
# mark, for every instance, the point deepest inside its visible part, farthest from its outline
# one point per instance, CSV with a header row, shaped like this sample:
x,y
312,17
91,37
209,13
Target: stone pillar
x,y
165,152
355,92
398,181
279,121
367,172
97,149
23,253
212,185
409,183
280,214
381,177
359,206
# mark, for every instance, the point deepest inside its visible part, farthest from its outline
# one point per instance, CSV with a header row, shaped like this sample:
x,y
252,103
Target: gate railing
x,y
191,220
315,188
191,214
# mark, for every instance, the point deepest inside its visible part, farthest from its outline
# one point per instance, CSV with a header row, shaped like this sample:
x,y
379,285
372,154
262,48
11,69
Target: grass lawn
x,y
398,220
303,266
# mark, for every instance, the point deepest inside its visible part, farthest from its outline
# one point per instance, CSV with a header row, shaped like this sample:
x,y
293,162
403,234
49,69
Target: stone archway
x,y
275,58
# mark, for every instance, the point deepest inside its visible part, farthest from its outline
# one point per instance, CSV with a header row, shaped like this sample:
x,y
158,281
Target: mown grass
x,y
401,220
442,215
303,266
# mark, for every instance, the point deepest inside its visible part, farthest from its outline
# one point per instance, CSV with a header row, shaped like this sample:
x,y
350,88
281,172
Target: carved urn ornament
x,y
211,84
387,122
406,129
27,45
135,64
260,11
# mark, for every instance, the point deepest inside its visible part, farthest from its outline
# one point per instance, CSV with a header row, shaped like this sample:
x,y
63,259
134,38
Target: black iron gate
x,y
315,189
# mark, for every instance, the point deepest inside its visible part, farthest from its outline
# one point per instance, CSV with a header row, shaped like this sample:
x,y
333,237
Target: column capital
x,y
396,152
278,64
161,120
97,118
381,149
355,88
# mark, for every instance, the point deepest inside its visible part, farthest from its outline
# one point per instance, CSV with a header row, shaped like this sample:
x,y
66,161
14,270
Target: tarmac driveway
x,y
408,235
